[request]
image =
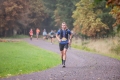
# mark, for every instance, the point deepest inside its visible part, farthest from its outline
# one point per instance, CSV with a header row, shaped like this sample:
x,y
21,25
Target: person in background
x,y
52,36
31,33
44,34
37,32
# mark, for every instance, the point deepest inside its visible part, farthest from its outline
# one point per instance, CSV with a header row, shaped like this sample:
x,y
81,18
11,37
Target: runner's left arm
x,y
70,37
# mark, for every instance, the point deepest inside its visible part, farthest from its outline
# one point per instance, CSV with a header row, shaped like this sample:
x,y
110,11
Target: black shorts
x,y
54,36
62,46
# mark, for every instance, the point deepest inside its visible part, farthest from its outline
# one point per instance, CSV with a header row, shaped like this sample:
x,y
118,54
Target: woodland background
x,y
89,19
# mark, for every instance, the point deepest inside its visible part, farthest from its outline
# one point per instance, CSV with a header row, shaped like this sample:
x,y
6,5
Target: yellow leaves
x,y
98,20
115,9
116,14
106,6
86,18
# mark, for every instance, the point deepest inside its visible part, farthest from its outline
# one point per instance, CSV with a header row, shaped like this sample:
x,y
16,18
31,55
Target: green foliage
x,y
98,1
22,58
37,13
61,11
50,6
118,29
105,17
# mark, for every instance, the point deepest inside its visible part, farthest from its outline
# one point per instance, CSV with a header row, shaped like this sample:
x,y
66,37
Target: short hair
x,y
64,23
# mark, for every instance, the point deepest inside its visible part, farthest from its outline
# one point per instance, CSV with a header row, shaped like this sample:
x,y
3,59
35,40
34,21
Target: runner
x,y
37,32
52,36
62,36
31,34
44,34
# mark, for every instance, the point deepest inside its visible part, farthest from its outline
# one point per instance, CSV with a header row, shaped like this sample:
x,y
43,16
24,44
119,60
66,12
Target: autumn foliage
x,y
86,21
115,4
11,11
20,14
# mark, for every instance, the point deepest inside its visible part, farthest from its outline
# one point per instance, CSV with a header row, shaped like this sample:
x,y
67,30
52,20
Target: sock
x,y
63,62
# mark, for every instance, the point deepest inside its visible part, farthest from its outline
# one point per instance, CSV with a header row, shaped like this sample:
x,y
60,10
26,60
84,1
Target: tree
x,y
103,14
20,15
10,12
50,6
60,11
115,11
33,16
86,21
63,12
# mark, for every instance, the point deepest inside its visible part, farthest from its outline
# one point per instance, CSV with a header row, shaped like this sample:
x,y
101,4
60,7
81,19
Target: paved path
x,y
80,65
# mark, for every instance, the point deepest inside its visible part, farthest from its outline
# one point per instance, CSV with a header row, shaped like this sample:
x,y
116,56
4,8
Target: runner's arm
x,y
70,37
57,36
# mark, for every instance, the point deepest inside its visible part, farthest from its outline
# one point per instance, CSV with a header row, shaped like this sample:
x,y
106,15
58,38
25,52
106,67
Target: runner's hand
x,y
59,40
69,42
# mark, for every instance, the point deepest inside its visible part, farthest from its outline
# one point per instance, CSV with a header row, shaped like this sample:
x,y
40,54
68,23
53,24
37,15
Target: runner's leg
x,y
64,54
61,46
62,57
51,39
31,37
37,35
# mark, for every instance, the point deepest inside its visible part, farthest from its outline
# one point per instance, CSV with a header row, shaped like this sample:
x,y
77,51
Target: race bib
x,y
64,39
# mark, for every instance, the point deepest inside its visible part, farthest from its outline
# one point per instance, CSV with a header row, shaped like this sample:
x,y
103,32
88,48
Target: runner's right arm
x,y
57,36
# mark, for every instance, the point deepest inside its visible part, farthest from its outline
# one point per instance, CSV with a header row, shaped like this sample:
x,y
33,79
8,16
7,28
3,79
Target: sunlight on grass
x,y
22,58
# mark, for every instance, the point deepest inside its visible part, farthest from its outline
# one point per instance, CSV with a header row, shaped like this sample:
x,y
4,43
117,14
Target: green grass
x,y
82,48
22,58
116,49
115,56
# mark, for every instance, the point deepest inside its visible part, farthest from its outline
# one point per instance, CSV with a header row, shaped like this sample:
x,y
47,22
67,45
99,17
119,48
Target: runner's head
x,y
64,25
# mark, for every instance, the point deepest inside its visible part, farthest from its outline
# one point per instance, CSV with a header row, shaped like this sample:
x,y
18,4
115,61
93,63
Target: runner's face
x,y
63,26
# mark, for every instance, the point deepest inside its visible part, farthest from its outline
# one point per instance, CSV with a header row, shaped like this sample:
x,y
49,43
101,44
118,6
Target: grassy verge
x,y
22,58
115,56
